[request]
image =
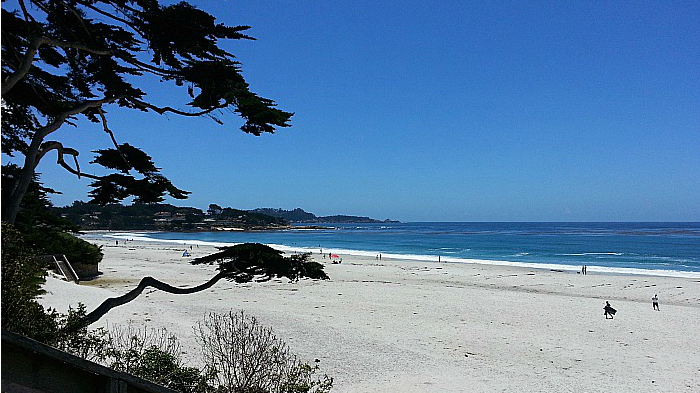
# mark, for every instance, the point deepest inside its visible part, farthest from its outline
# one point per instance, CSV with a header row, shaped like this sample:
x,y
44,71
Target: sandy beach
x,y
411,326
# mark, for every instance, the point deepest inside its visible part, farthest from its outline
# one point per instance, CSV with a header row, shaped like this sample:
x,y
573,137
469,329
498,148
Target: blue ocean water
x,y
616,246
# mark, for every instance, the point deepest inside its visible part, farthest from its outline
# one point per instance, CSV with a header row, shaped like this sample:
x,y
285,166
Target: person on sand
x,y
655,302
609,310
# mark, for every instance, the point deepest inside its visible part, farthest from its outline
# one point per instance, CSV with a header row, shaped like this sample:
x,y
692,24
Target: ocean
x,y
669,249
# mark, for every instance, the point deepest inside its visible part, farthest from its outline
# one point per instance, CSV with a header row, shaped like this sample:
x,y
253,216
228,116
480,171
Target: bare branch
x,y
111,135
55,145
77,172
61,152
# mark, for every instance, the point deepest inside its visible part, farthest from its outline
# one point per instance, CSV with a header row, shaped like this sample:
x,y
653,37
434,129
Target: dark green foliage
x,y
244,262
42,229
118,186
153,354
35,209
65,59
163,368
299,215
22,277
150,189
143,216
302,379
73,336
51,242
120,217
250,218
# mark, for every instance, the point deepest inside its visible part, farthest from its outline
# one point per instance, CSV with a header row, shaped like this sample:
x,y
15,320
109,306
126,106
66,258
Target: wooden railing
x,y
30,366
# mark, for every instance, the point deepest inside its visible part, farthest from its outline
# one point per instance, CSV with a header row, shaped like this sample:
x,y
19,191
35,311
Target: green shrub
x,y
164,369
23,274
153,355
74,337
302,379
52,241
22,277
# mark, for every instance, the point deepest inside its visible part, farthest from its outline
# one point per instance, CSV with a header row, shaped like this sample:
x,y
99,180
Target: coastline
x,y
593,269
415,326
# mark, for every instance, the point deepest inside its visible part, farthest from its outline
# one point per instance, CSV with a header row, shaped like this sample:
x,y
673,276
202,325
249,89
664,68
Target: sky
x,y
442,111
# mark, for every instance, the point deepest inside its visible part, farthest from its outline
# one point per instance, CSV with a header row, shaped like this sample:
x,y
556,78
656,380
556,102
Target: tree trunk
x,y
32,157
12,207
146,282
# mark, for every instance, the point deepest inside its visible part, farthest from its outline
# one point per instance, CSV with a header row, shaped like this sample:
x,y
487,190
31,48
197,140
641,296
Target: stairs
x,y
64,267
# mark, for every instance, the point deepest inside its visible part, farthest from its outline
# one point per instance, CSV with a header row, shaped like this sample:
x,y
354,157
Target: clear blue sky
x,y
445,111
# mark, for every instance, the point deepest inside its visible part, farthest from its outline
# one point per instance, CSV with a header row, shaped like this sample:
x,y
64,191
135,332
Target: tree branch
x,y
27,15
146,282
77,16
111,135
161,110
61,118
60,160
34,154
116,18
28,58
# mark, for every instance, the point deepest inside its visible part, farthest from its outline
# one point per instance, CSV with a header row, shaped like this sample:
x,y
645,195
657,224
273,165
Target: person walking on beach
x,y
655,302
609,310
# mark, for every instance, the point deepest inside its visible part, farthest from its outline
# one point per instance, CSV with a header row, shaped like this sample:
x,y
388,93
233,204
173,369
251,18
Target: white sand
x,y
408,326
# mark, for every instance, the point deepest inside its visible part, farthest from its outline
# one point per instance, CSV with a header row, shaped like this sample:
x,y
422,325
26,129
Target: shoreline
x,y
593,269
415,326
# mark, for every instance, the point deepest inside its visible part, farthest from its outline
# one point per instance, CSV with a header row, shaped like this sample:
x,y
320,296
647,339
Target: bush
x,y
23,274
52,241
245,356
73,336
22,277
153,355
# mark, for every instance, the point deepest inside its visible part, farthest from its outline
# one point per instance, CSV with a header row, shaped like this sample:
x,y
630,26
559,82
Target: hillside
x,y
300,216
161,216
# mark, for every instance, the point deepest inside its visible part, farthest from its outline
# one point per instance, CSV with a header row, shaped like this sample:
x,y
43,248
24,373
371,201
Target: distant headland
x,y
300,216
166,217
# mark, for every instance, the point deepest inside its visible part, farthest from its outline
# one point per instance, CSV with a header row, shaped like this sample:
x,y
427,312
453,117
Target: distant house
x,y
214,210
89,219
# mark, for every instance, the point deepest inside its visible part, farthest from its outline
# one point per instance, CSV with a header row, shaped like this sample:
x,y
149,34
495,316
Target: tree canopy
x,y
240,263
66,59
